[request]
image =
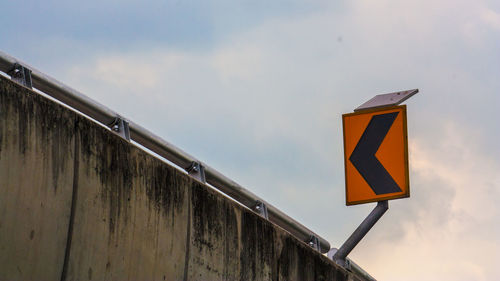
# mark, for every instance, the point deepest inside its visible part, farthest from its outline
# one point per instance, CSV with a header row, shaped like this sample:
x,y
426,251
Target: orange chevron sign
x,y
376,155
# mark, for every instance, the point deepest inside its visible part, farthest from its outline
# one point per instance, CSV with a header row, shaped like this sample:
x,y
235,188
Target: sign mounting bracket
x,y
340,256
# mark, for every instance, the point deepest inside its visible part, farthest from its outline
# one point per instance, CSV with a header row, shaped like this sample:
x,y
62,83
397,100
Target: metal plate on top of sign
x,y
376,155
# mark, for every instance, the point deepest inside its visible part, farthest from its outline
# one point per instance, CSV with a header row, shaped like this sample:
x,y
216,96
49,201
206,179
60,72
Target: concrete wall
x,y
79,203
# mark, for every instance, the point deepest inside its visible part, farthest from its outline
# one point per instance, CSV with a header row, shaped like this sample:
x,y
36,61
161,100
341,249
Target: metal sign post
x,y
376,160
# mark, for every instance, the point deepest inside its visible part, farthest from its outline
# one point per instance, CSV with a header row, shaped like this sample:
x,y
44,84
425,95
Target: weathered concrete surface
x,y
36,176
79,203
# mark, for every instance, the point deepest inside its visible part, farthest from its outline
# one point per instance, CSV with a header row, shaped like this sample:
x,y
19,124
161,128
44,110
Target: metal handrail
x,y
147,139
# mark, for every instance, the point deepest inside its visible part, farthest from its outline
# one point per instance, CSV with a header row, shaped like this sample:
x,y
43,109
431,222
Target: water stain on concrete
x,y
221,239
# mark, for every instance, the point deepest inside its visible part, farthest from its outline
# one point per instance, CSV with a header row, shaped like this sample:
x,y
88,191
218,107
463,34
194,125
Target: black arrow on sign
x,y
363,156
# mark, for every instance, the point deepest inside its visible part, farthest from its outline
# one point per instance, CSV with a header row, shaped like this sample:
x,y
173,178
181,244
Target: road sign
x,y
376,155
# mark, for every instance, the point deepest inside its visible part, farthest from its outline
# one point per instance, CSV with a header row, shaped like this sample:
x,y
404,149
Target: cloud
x,y
263,105
448,229
491,18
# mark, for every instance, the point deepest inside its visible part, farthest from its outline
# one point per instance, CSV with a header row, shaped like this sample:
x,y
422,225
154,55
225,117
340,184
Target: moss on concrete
x,y
132,215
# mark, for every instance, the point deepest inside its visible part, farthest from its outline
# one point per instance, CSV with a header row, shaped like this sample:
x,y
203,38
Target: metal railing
x,y
147,139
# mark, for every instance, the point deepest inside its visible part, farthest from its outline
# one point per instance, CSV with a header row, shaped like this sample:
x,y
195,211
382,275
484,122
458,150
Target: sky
x,y
256,89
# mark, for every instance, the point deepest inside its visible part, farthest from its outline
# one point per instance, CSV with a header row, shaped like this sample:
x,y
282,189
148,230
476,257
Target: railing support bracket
x,y
21,75
314,243
120,127
261,209
197,171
